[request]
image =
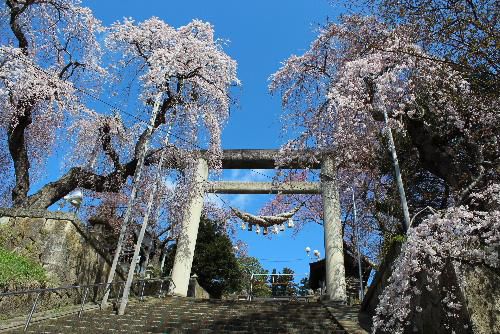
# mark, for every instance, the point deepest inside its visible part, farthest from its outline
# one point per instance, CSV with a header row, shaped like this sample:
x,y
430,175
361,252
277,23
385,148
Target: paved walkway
x,y
184,315
348,317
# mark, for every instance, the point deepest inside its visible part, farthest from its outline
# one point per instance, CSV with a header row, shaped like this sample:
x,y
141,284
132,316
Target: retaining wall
x,y
62,245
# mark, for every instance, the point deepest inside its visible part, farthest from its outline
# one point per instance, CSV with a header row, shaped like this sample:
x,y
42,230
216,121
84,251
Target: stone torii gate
x,y
265,159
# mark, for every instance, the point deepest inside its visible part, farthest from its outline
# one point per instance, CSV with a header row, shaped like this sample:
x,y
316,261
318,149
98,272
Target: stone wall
x,y
63,246
59,242
477,288
480,286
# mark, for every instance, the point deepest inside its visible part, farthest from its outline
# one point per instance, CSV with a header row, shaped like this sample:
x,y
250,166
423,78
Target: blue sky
x,y
262,34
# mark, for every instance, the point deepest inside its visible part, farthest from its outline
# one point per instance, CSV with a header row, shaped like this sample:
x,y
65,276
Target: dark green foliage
x,y
283,285
18,271
303,287
248,266
214,261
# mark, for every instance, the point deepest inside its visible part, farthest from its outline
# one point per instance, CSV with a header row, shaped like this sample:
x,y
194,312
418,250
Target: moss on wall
x,y
19,271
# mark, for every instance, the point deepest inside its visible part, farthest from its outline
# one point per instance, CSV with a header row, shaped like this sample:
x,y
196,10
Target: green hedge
x,y
17,271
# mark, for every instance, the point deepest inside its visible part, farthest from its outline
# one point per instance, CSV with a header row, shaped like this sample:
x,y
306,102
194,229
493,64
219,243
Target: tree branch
x,y
107,146
78,177
73,65
19,153
15,11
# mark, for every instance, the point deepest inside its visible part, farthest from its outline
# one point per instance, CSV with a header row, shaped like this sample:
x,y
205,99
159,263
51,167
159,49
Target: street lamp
x,y
317,253
74,198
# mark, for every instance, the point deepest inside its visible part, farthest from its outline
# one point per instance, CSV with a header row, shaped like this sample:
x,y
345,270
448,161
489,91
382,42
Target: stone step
x,y
183,315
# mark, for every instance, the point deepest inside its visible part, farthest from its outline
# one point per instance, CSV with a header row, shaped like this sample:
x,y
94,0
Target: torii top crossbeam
x,y
260,159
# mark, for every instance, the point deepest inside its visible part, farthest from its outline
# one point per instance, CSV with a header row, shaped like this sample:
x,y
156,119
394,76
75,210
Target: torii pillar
x,y
334,252
183,262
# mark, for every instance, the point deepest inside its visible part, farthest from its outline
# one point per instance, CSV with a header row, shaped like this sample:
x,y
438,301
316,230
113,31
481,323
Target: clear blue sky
x,y
262,34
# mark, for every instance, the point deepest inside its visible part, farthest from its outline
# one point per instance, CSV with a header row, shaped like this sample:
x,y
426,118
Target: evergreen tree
x,y
304,286
251,265
214,261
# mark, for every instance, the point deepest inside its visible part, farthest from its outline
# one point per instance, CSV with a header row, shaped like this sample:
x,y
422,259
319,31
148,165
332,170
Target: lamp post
x,y
131,201
316,253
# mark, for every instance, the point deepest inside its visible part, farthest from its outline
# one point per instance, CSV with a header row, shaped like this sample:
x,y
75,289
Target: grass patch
x,y
17,271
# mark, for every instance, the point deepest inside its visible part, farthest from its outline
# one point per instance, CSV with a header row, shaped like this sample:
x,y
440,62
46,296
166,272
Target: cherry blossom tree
x,y
334,97
457,235
52,66
60,37
463,33
336,92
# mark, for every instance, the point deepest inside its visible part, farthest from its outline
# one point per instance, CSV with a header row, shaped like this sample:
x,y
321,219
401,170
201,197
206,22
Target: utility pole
x,y
358,250
128,212
397,172
138,244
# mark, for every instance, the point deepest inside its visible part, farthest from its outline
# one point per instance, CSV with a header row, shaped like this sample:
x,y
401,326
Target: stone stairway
x,y
184,315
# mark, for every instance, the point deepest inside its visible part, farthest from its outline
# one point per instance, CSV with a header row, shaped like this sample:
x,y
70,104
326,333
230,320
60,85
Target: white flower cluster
x,y
336,92
187,64
45,99
458,234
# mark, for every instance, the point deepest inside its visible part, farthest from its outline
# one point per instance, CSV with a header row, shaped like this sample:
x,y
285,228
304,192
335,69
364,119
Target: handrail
x,y
21,292
275,275
86,288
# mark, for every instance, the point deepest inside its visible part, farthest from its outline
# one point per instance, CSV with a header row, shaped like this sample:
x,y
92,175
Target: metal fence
x,y
138,289
288,288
